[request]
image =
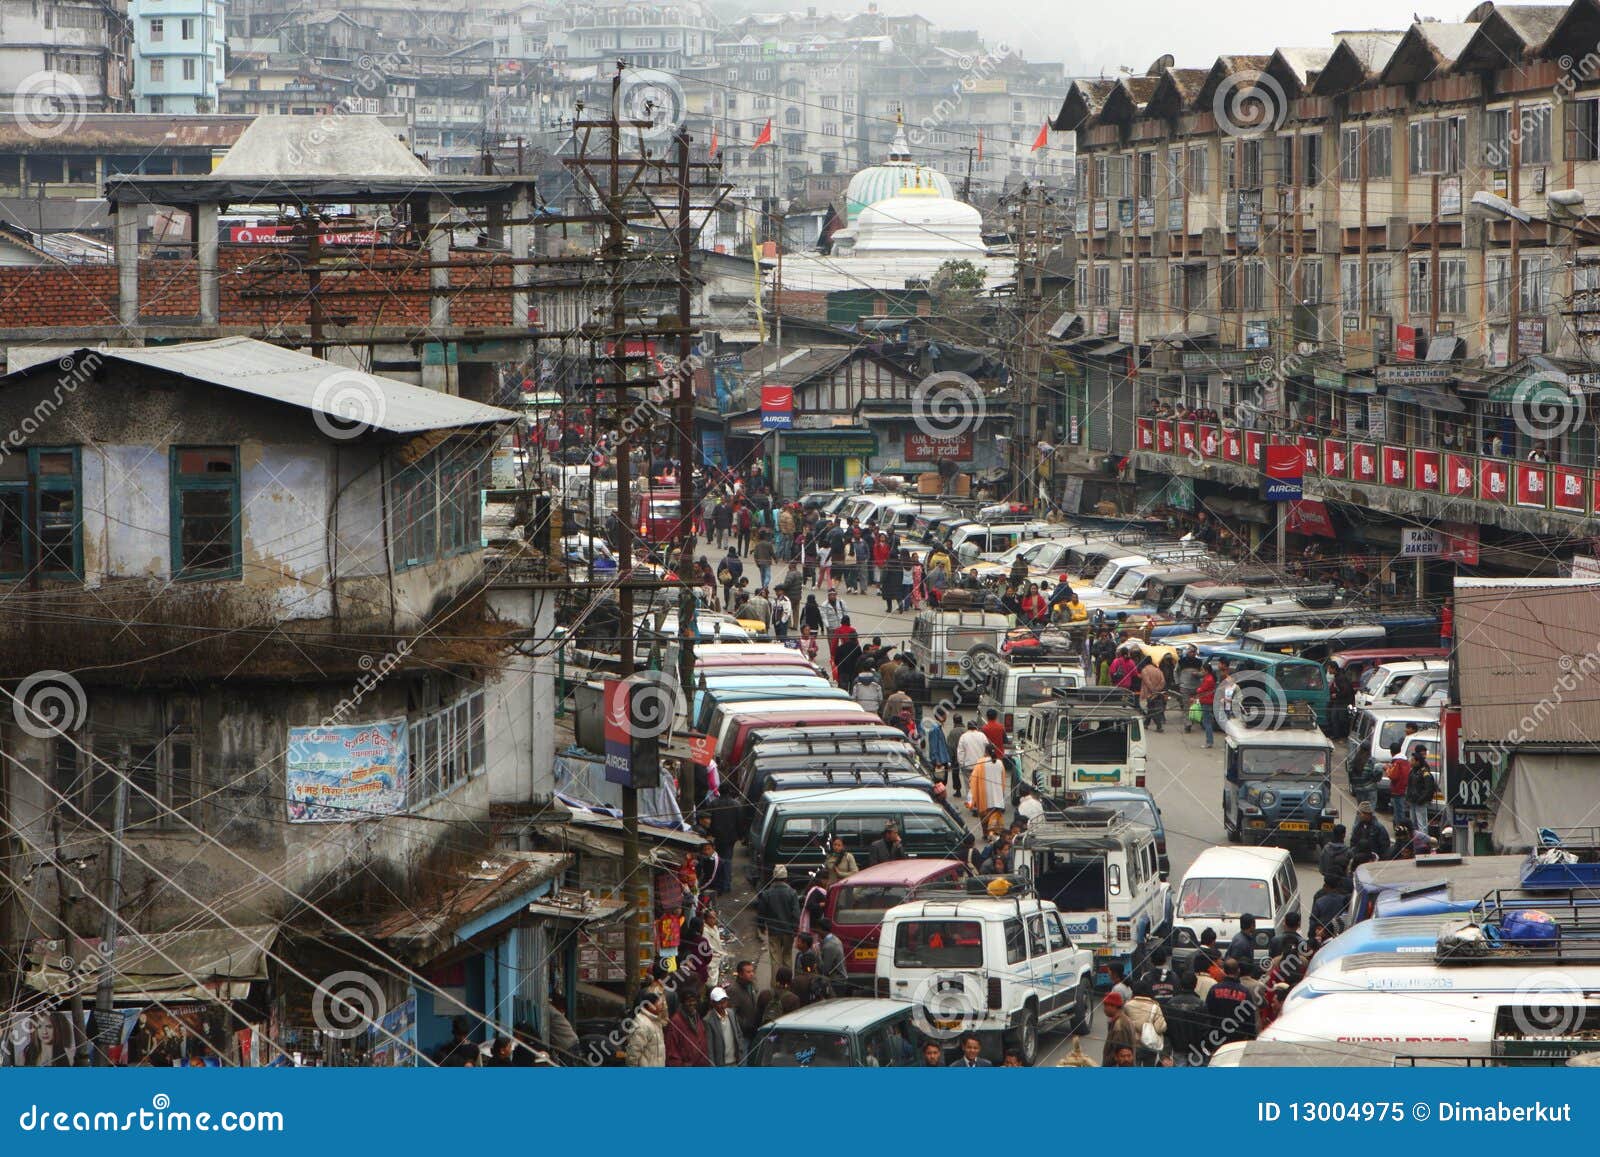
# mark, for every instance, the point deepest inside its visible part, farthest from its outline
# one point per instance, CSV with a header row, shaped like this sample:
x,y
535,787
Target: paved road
x,y
1184,777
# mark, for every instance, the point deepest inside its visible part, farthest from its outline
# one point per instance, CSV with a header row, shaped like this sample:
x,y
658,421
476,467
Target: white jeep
x,y
1001,966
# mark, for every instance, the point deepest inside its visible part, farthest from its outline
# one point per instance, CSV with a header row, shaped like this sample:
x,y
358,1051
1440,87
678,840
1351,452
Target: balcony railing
x,y
1561,489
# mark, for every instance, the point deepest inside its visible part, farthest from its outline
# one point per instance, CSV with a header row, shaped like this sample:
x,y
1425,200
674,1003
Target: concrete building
x,y
1317,271
179,54
61,59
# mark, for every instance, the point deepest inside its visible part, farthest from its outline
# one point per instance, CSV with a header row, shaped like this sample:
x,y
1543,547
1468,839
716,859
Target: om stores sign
x,y
923,447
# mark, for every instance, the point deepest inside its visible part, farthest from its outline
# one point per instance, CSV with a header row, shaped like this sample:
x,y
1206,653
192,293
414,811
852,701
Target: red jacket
x,y
1206,693
686,1047
996,733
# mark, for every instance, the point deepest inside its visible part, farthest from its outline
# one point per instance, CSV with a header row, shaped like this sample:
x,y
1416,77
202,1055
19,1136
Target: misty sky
x,y
1092,36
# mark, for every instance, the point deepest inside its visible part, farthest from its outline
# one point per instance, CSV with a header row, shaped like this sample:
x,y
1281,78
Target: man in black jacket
x,y
778,917
888,848
1231,1007
1369,834
1188,1025
1329,904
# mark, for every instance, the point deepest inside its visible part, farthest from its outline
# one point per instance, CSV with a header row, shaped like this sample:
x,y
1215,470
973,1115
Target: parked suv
x,y
998,965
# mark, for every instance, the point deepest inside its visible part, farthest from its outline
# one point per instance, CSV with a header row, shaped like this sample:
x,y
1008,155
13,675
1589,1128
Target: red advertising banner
x,y
1308,447
1335,458
1458,476
1567,491
1284,460
1164,437
1233,445
1254,440
922,447
1425,469
1405,343
1186,442
1494,480
1395,472
1461,543
1208,441
1363,462
1146,430
1533,485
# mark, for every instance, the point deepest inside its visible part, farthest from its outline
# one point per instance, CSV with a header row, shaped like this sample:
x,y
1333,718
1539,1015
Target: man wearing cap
x,y
724,1038
1369,834
778,917
1121,1033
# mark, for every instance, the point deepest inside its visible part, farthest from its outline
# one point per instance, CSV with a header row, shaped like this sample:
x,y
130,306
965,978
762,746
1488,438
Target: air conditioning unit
x,y
1211,242
1398,234
1329,237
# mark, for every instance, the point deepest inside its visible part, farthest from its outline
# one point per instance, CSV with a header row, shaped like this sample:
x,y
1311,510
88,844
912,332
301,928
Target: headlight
x,y
1268,798
1314,799
1185,938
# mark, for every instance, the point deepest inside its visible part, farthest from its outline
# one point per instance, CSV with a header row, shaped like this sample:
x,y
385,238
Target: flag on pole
x,y
765,138
980,144
712,153
1042,139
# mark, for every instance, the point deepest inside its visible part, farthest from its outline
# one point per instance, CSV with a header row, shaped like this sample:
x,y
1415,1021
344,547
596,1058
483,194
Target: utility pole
x,y
686,455
103,999
966,185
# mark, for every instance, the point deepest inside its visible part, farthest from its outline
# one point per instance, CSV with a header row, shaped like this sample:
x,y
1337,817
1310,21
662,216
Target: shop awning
x,y
1445,349
196,964
1428,399
1184,336
1062,324
1309,516
1545,789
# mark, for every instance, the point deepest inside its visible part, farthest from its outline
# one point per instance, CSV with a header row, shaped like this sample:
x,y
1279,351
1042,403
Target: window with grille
x,y
1227,286
1350,154
1583,130
1497,138
205,512
1436,146
1418,283
1497,283
1377,286
445,749
1350,286
1311,158
1533,283
1534,121
1452,285
1378,153
1255,284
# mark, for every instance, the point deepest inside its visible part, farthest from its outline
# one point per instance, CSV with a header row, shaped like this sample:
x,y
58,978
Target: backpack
x,y
724,576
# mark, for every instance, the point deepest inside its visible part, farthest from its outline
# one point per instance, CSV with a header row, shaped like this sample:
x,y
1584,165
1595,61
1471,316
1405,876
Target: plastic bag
x,y
1196,712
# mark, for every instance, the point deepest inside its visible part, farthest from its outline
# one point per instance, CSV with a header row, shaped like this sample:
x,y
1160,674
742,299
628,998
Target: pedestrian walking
x,y
764,554
986,790
729,571
778,916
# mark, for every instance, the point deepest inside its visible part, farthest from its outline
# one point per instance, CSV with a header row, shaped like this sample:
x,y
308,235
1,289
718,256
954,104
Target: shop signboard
x,y
1254,440
1232,445
1494,480
1363,462
1308,447
1396,470
1425,469
1165,437
1533,485
1285,470
1145,430
1208,441
1186,438
1567,491
1458,476
1335,458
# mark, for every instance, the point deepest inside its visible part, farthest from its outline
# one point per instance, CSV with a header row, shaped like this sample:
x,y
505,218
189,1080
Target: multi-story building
x,y
179,50
1350,248
62,57
667,35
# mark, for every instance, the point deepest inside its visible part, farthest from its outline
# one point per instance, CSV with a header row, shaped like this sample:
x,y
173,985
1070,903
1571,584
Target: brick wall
x,y
86,295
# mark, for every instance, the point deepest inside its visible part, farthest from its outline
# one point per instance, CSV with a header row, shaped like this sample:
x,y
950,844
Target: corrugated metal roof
x,y
97,132
296,379
1526,661
480,890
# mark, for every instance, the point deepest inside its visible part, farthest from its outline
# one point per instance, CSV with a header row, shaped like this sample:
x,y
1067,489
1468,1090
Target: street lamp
x,y
1565,211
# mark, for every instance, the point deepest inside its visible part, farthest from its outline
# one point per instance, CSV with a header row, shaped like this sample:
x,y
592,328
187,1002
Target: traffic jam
x,y
1082,791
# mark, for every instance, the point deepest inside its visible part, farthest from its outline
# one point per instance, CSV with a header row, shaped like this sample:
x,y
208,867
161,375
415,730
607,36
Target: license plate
x,y
1102,951
1295,826
866,954
952,668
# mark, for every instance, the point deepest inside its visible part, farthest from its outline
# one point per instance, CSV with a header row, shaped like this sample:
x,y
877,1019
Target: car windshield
x,y
959,640
1292,762
1418,688
1300,677
804,1049
1225,621
1073,883
1037,688
1394,731
1107,573
1129,583
938,944
1207,896
866,903
1138,811
664,508
1372,679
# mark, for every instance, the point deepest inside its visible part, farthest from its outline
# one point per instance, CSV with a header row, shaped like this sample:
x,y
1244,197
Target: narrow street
x,y
1184,777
